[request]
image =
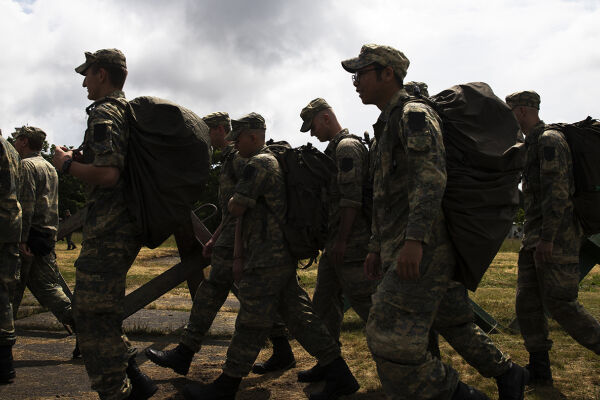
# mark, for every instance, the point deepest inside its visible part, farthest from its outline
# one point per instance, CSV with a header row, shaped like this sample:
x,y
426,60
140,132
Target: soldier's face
x,y
318,128
245,144
367,85
92,82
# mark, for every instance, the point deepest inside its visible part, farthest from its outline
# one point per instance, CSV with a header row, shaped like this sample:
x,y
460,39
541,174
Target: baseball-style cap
x,y
383,55
104,56
248,121
526,98
308,113
219,118
29,132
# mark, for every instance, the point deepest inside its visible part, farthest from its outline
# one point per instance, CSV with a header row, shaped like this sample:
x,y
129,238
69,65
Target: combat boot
x,y
339,381
178,359
142,387
540,373
223,388
511,384
282,358
315,374
466,392
7,371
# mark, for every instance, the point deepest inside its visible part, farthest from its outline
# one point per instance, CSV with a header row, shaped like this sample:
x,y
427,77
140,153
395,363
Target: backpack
x,y
485,156
166,166
583,138
308,174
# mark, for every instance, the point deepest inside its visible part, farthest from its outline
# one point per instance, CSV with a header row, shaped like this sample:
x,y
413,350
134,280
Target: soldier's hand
x,y
543,251
208,248
372,266
337,252
409,260
24,249
238,269
61,153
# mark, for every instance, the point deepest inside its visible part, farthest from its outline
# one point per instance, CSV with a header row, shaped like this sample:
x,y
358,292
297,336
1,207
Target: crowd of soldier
x,y
394,262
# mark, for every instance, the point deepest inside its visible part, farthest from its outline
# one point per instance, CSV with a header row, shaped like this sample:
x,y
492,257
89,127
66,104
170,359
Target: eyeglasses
x,y
357,74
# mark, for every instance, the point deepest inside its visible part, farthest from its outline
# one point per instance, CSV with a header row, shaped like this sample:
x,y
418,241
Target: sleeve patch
x,y
249,172
100,132
346,164
548,153
416,120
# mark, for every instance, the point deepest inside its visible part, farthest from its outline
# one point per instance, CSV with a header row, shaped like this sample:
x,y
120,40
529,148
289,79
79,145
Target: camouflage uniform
x,y
548,187
10,220
110,245
269,284
39,202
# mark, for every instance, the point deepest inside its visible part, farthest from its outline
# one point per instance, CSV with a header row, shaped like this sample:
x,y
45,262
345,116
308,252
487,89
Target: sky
x,y
274,56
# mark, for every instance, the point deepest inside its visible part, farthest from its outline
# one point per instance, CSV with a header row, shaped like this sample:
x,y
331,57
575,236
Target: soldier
x,y
110,243
340,268
549,256
266,275
212,293
39,203
411,248
70,244
10,234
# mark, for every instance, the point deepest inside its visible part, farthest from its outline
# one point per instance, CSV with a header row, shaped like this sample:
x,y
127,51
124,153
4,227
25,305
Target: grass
x,y
576,369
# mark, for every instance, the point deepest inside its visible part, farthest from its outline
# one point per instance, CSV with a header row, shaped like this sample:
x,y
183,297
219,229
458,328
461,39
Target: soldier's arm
x,y
250,186
26,197
554,158
104,176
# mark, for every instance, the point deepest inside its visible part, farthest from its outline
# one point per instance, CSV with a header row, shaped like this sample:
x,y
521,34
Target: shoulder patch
x,y
416,120
346,164
249,171
100,132
548,153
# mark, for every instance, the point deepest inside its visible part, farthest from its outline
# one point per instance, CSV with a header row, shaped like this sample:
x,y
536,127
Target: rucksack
x,y
583,138
308,174
485,156
166,166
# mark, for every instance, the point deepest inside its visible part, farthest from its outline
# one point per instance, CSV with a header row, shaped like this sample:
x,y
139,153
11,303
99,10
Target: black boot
x,y
339,381
540,373
466,392
7,371
511,384
223,388
178,359
142,386
282,358
315,374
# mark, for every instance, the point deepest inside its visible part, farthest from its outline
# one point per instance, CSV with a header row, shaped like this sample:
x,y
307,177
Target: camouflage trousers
x,y
210,297
263,293
9,274
402,317
40,275
98,310
336,281
554,287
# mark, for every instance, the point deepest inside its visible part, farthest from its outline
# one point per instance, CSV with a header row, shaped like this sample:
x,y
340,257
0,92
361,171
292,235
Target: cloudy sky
x,y
274,56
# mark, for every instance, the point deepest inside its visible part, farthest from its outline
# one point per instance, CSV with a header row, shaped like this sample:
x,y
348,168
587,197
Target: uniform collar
x,y
335,140
33,154
537,130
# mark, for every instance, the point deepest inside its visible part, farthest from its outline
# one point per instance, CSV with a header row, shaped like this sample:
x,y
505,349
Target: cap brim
x,y
354,64
82,68
232,135
306,125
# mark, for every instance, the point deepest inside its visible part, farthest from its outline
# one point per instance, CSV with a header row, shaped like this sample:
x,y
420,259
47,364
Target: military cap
x,y
29,132
308,113
104,56
526,98
386,56
416,88
248,121
219,118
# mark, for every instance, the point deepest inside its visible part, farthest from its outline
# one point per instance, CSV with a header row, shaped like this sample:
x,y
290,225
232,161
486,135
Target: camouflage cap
x,y
417,88
105,56
383,55
29,132
308,113
248,121
219,118
526,98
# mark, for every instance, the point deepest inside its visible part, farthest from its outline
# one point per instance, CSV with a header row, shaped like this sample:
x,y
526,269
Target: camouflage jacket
x,y
262,189
38,196
409,177
105,145
10,209
352,161
231,172
548,187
